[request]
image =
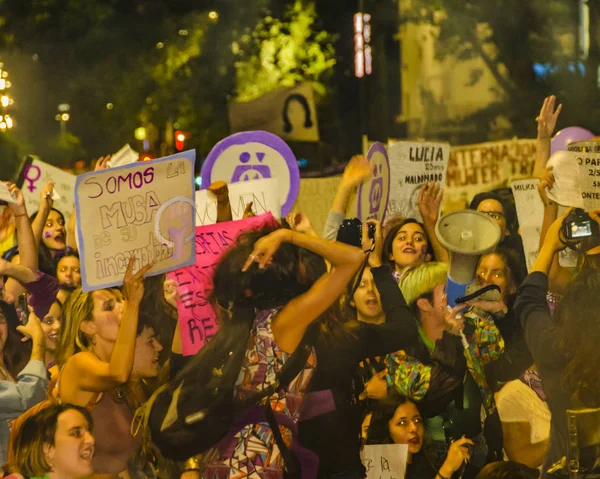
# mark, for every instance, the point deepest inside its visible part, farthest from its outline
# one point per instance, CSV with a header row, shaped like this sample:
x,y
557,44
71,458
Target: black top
x,y
335,436
532,309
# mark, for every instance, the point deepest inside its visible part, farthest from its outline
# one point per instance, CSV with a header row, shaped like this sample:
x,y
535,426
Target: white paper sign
x,y
567,182
385,461
144,210
125,156
411,165
530,212
36,175
263,194
5,194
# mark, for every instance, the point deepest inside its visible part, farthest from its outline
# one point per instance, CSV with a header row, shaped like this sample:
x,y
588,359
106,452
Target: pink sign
x,y
197,318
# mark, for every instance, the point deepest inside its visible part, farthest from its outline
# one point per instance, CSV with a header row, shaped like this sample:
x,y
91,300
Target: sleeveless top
x,y
115,445
252,451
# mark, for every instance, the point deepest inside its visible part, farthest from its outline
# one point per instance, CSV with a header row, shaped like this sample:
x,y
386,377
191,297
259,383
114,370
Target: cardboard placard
x,y
373,195
254,155
411,165
143,210
385,461
263,194
36,174
194,283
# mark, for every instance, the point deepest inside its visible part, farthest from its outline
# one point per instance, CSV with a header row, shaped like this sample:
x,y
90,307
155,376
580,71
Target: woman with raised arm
x,y
96,357
564,346
263,284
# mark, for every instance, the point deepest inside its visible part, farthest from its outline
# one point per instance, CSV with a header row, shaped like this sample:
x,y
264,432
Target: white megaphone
x,y
467,235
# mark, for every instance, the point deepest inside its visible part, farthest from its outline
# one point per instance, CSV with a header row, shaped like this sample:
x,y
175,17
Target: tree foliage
x,y
283,53
511,37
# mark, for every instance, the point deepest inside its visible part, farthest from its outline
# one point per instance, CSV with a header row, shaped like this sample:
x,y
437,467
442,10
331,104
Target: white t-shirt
x,y
517,402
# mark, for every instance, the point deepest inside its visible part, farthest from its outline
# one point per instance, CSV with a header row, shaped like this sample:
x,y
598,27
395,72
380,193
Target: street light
x,y
213,15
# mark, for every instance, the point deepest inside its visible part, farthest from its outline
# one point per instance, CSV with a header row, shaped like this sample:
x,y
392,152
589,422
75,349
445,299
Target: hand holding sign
x,y
16,207
5,194
47,196
133,284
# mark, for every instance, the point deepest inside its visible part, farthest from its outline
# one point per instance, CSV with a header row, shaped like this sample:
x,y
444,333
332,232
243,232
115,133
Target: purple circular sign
x,y
254,155
373,195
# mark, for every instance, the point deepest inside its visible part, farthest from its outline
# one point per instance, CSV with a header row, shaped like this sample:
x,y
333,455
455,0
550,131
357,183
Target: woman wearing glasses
x,y
499,205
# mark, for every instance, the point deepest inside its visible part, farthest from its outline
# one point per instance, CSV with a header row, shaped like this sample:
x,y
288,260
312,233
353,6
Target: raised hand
x,y
265,248
171,293
357,171
133,284
32,330
46,196
547,118
546,183
458,453
301,223
18,208
367,243
430,200
102,163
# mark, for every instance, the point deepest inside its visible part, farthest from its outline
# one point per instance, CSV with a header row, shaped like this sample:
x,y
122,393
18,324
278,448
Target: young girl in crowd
x,y
397,420
96,357
55,443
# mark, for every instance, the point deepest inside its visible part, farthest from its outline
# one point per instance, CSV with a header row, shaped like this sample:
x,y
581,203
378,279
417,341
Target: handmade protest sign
x,y
385,461
254,155
577,179
194,283
263,194
530,212
5,195
373,195
411,165
36,174
144,210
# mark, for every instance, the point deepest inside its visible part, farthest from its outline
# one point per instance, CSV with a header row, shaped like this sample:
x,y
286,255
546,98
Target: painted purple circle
x,y
267,139
377,147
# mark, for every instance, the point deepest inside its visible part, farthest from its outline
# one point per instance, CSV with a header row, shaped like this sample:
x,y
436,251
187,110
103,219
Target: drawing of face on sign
x,y
254,155
373,195
296,115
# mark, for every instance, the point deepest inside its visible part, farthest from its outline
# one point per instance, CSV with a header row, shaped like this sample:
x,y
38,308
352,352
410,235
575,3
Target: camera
x,y
579,225
350,232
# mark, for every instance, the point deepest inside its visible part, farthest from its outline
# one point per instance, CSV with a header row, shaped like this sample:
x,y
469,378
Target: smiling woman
x,y
56,442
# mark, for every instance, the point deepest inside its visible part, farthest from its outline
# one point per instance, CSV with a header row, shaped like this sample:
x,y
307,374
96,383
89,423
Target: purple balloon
x,y
569,135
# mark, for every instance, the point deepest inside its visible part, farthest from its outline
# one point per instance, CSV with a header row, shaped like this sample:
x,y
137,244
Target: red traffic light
x,y
180,138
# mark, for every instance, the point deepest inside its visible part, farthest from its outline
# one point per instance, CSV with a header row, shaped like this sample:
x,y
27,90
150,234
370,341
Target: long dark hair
x,y
388,242
268,288
287,124
16,353
383,412
578,318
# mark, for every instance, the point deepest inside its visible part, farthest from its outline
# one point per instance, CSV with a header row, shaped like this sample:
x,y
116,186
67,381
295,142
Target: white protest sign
x,y
144,210
263,194
411,165
385,461
530,212
254,155
373,195
5,194
566,190
125,156
36,175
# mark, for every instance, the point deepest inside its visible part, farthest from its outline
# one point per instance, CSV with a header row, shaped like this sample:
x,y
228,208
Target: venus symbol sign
x,y
254,155
373,195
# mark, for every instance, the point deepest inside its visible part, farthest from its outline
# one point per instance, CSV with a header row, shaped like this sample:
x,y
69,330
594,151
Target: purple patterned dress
x,y
252,452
